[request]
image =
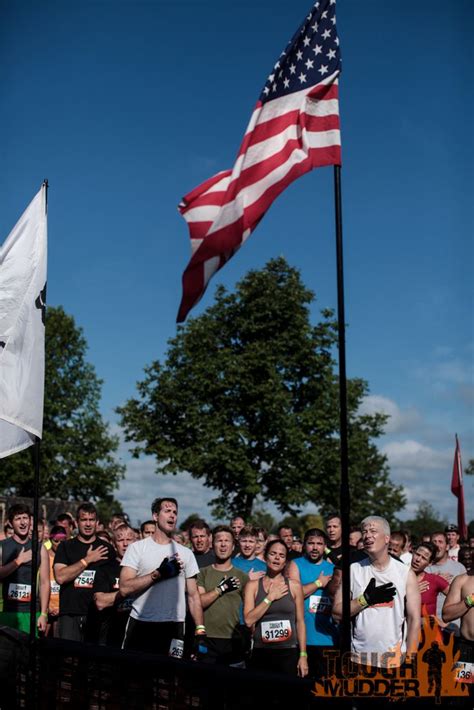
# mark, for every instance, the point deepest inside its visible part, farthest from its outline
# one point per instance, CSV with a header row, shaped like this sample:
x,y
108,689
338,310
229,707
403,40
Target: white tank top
x,y
379,629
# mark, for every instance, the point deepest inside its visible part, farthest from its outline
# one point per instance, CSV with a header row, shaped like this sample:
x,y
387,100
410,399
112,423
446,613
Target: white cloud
x,y
399,420
142,485
410,455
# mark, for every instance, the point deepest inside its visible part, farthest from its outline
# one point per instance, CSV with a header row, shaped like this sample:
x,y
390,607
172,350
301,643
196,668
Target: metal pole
x,y
35,561
345,505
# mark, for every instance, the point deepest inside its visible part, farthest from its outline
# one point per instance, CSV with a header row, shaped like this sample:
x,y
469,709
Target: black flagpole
x,y
35,562
345,503
34,539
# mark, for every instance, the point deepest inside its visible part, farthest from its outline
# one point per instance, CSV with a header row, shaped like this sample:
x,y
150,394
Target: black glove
x,y
379,595
169,568
228,585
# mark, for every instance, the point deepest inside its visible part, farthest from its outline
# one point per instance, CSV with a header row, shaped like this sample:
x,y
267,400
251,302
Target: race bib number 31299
x,y
276,631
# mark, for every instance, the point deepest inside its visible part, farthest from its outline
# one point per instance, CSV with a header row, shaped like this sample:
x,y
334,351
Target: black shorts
x,y
275,660
226,652
152,636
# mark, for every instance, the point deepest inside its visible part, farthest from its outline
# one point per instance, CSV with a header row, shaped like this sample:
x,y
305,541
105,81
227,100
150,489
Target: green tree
x,y
426,520
186,524
106,507
77,451
247,401
261,519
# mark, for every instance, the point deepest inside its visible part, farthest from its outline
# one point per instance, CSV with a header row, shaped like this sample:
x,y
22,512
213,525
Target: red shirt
x,y
428,598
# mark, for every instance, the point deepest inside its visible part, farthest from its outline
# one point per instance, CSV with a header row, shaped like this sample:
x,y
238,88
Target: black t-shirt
x,y
76,596
16,588
110,623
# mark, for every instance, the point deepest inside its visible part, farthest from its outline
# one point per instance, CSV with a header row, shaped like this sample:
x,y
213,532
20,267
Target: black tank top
x,y
277,627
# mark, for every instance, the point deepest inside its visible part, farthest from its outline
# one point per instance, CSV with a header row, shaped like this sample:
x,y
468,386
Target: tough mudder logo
x,y
434,671
40,303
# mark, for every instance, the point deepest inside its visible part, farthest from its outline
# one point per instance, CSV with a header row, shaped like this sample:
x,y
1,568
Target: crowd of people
x,y
237,595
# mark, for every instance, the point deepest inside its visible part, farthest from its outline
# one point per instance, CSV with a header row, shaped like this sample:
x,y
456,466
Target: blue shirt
x,y
321,630
246,565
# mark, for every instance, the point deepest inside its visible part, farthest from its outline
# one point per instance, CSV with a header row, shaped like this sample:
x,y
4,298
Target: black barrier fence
x,y
87,677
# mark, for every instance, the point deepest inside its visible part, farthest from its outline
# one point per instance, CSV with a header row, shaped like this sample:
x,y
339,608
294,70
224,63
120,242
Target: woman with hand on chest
x,y
274,608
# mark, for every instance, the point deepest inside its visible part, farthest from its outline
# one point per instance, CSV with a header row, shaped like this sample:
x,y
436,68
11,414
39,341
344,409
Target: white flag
x,y
22,317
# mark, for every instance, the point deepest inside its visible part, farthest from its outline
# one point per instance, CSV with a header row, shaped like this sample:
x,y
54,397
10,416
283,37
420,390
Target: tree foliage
x,y
77,451
247,401
426,520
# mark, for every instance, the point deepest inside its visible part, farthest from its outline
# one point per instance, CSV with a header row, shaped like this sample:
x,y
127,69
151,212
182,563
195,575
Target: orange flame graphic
x,y
430,672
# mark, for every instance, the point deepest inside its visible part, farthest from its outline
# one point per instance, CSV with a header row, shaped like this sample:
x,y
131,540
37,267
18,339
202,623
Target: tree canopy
x,y
77,451
426,520
247,401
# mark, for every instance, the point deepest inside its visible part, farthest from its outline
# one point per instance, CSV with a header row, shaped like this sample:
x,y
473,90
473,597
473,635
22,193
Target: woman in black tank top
x,y
274,608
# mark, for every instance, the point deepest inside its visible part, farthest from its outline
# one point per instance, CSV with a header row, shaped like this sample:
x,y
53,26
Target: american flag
x,y
293,129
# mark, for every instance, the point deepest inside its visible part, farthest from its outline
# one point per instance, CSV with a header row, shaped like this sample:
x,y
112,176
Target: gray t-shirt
x,y
164,601
450,569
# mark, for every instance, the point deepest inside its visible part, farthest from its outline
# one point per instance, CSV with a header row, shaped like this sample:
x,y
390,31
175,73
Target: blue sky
x,y
126,106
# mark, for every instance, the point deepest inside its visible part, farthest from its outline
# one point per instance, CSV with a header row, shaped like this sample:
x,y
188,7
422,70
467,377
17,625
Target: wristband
x,y
200,630
362,601
83,562
318,583
469,601
267,601
44,613
303,654
219,592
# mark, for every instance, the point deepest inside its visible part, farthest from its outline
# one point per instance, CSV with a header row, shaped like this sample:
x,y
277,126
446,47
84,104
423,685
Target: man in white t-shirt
x,y
160,572
385,600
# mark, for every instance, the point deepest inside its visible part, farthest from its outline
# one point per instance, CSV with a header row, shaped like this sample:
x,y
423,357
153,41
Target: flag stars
x,y
317,49
292,69
271,78
326,34
323,69
274,88
266,91
337,41
306,41
333,20
286,83
309,64
324,14
331,54
302,78
314,27
299,55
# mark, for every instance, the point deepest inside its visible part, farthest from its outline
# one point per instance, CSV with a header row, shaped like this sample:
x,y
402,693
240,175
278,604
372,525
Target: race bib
x,y
176,648
319,604
55,587
464,672
85,580
276,631
19,592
